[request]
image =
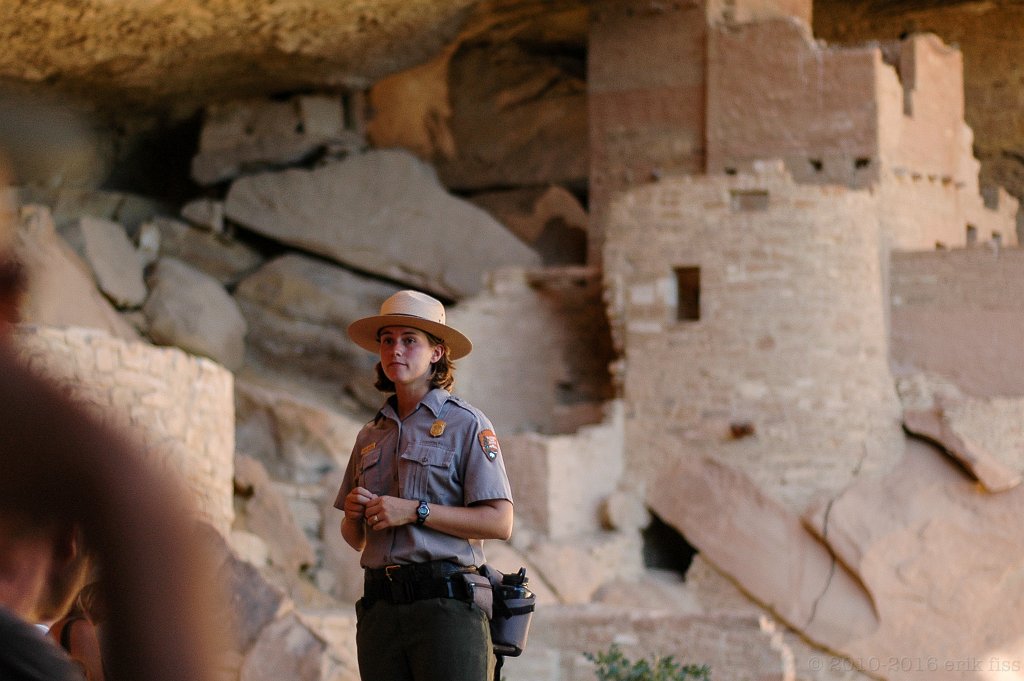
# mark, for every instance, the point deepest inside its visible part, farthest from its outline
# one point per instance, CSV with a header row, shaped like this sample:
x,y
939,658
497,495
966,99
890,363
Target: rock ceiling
x,y
178,54
175,55
146,62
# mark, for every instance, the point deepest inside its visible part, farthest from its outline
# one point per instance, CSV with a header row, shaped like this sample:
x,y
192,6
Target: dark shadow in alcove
x,y
665,548
157,163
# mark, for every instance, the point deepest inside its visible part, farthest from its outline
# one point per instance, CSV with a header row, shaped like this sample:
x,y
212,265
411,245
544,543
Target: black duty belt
x,y
400,584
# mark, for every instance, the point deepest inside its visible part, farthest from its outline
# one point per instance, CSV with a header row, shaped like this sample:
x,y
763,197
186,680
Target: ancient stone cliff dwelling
x,y
742,276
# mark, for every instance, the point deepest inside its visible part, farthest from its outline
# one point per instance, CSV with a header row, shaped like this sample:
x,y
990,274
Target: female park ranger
x,y
425,485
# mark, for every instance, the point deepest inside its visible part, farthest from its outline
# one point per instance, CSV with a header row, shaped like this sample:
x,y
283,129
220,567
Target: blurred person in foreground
x,y
63,473
78,632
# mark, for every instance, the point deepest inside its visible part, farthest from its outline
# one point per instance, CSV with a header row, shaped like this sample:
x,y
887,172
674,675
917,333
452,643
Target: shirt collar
x,y
433,401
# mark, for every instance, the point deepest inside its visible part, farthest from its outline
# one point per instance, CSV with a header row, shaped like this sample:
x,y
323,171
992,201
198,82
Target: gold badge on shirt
x,y
437,428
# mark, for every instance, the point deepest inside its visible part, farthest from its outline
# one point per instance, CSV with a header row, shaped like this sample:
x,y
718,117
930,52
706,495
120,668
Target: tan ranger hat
x,y
413,309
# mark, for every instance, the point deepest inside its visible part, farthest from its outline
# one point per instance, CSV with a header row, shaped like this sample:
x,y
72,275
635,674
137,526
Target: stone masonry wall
x,y
988,34
646,106
784,374
178,406
815,106
528,370
757,10
931,122
885,116
960,314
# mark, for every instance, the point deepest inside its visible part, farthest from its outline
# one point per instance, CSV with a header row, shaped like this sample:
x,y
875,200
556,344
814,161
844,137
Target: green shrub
x,y
612,665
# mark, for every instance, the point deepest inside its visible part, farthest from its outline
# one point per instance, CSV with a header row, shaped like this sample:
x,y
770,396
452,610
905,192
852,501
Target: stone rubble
x,y
251,135
226,259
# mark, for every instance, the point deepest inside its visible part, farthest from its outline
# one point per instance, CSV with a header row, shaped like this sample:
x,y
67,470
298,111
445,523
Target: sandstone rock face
x,y
114,262
205,213
70,203
550,219
498,107
61,291
539,103
266,514
286,649
179,55
902,553
995,425
958,314
340,574
933,426
298,308
382,212
258,134
225,259
191,310
913,537
255,601
731,521
180,407
338,630
297,439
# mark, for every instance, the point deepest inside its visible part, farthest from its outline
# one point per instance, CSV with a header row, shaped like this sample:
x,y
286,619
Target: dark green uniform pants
x,y
435,639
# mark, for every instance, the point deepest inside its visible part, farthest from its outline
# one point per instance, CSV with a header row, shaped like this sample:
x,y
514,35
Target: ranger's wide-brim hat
x,y
413,309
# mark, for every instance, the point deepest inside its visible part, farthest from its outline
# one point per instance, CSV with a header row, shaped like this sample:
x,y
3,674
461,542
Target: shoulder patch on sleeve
x,y
489,444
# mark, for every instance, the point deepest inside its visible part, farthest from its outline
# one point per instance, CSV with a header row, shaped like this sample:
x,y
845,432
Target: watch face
x,y
423,511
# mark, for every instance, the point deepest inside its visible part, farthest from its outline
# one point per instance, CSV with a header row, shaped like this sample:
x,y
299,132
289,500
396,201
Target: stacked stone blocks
x,y
179,407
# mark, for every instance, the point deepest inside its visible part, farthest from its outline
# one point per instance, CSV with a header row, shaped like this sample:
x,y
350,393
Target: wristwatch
x,y
422,511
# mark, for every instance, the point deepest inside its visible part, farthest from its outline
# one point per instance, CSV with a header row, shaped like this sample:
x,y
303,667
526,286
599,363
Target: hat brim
x,y
363,332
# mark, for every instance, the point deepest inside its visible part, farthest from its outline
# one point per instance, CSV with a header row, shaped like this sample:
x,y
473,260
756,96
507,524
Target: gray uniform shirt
x,y
457,466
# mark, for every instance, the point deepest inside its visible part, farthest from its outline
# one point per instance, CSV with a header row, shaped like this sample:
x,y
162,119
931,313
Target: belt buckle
x,y
389,569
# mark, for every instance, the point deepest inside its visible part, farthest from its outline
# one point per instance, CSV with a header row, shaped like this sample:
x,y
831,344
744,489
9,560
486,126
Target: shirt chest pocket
x,y
428,473
370,475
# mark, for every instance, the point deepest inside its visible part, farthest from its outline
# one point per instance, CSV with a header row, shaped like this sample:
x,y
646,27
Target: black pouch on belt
x,y
478,591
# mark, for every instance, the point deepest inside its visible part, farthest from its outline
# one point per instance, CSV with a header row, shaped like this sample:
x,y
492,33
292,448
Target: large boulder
x,y
764,547
221,256
285,649
297,309
61,289
114,262
888,572
550,219
192,311
296,437
382,212
265,512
